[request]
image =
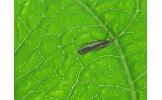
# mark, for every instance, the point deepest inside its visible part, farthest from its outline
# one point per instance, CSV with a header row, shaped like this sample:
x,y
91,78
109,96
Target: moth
x,y
95,45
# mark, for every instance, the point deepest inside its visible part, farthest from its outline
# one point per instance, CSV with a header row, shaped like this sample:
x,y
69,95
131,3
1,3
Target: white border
x,y
6,50
154,61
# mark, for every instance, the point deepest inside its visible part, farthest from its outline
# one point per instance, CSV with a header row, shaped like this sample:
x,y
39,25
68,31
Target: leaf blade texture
x,y
47,38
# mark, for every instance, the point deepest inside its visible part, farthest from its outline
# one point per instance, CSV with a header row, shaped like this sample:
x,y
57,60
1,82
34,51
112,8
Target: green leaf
x,y
47,38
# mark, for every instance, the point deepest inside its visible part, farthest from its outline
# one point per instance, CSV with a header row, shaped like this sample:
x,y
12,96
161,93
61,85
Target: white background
x,y
154,50
6,50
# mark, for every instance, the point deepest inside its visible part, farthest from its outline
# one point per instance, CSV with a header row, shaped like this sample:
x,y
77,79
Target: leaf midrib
x,y
119,49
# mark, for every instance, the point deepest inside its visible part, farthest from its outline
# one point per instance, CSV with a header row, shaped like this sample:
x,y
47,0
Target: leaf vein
x,y
119,49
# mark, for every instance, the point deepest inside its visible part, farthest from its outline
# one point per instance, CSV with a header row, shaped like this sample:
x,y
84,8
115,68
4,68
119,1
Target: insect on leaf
x,y
48,65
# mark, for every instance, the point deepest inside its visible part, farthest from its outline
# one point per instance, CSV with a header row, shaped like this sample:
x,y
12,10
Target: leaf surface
x,y
48,34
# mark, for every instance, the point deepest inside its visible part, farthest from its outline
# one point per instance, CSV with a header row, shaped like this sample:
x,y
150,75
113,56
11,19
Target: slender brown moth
x,y
96,45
